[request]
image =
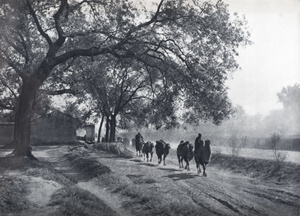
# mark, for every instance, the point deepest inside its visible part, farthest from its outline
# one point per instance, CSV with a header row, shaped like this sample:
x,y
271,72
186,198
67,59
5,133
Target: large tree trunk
x,y
23,118
100,128
16,126
112,129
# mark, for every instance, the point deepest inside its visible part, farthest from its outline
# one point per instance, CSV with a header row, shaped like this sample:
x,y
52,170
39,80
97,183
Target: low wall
x,y
43,132
6,132
53,131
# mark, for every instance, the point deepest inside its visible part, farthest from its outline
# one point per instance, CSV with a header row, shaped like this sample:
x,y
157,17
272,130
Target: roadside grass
x,y
13,192
270,170
117,148
13,189
16,172
75,201
87,168
49,173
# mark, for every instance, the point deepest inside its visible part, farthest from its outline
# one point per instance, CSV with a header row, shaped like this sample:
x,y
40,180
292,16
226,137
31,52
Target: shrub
x,y
236,145
274,143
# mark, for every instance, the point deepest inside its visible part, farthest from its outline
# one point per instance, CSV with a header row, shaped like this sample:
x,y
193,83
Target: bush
x,y
236,145
116,148
274,143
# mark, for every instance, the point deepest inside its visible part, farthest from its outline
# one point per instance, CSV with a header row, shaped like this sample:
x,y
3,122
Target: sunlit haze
x,y
272,62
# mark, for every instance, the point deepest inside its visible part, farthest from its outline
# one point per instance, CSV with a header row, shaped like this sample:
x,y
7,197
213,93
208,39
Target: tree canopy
x,y
185,49
289,96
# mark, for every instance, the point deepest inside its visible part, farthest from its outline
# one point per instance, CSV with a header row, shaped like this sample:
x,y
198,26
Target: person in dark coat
x,y
198,141
139,141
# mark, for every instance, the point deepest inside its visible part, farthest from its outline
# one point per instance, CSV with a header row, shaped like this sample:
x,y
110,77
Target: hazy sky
x,y
272,62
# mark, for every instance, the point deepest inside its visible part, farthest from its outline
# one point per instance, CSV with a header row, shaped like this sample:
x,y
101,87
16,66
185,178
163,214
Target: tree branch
x,y
132,95
9,88
57,15
38,25
152,20
12,64
14,46
58,92
93,51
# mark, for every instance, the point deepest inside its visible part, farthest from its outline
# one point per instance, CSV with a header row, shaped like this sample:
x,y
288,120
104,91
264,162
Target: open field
x,y
268,154
291,156
86,180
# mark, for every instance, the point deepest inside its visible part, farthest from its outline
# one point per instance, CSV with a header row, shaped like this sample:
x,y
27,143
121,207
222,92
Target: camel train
x,y
186,151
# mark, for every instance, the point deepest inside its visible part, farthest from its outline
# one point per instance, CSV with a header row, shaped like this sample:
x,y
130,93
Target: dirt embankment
x,y
86,180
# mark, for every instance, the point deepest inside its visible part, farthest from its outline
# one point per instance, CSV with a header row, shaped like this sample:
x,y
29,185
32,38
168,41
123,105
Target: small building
x,y
90,133
6,132
55,128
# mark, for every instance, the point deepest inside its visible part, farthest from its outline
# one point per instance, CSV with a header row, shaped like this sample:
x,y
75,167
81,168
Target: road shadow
x,y
136,160
169,169
181,176
148,164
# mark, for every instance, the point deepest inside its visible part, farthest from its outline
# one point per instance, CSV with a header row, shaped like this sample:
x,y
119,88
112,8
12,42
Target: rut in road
x,y
64,166
112,200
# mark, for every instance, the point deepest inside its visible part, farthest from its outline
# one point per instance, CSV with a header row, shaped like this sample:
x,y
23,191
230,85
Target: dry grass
x,y
69,200
265,169
87,167
116,148
13,191
75,201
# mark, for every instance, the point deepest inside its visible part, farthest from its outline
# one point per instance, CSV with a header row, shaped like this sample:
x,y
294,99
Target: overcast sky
x,y
272,62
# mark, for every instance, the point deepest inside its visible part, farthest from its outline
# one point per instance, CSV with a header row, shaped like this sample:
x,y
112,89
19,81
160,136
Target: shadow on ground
x,y
148,164
181,176
169,169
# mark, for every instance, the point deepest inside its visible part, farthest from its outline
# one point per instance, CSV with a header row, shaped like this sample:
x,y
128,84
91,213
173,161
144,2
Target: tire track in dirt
x,y
210,196
273,198
187,182
112,200
230,197
285,193
202,195
64,165
236,205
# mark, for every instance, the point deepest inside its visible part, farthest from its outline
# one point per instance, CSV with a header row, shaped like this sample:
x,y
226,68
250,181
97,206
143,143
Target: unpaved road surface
x,y
153,189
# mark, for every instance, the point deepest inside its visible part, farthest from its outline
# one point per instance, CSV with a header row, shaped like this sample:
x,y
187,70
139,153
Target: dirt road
x,y
137,187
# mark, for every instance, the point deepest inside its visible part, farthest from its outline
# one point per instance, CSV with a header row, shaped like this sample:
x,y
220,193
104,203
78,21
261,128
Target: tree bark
x,y
107,129
100,128
112,129
22,127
